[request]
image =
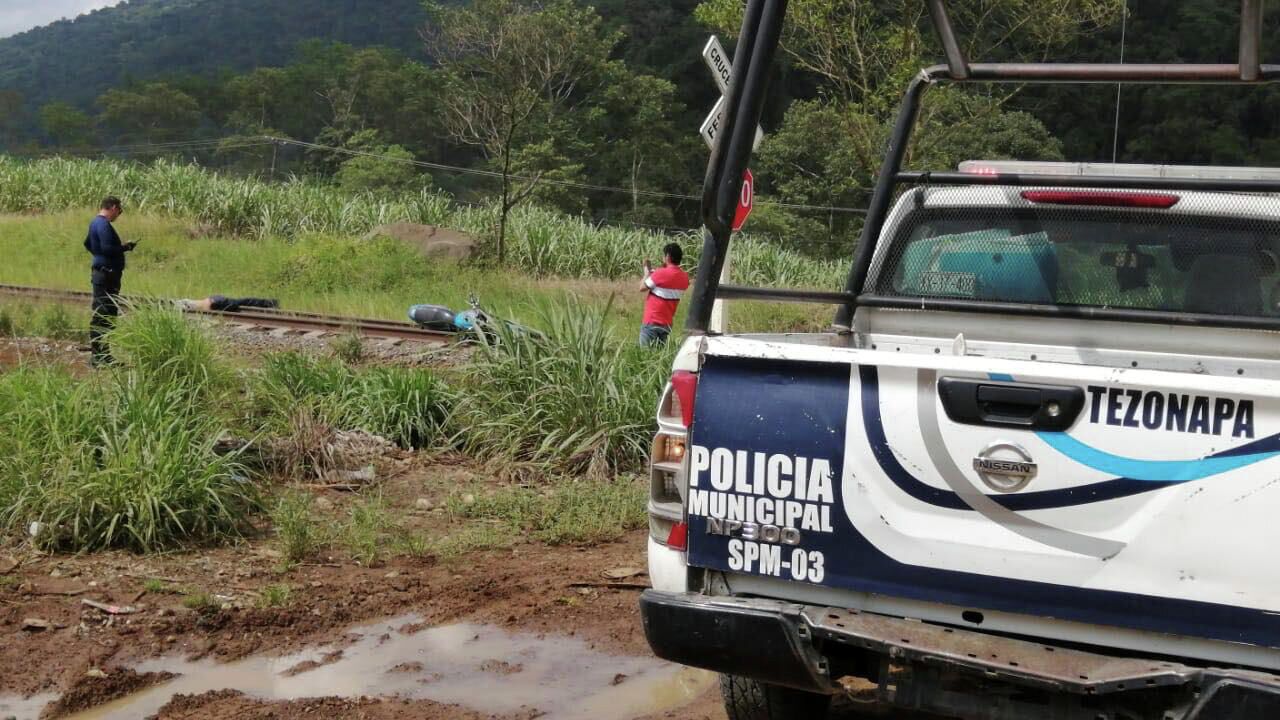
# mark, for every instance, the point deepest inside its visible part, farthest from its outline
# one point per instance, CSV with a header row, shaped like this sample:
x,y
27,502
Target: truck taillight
x,y
1106,198
684,385
678,538
668,456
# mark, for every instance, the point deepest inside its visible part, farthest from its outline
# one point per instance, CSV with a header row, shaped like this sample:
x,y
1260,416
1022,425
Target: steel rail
x,y
263,317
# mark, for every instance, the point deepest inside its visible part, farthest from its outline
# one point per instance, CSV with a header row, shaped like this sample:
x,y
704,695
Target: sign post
x,y
721,67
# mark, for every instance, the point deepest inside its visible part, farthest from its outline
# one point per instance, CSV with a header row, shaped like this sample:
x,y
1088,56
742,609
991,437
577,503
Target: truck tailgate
x,y
851,470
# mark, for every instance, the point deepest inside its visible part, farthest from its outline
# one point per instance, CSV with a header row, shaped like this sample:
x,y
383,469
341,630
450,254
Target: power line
x,y
236,143
561,183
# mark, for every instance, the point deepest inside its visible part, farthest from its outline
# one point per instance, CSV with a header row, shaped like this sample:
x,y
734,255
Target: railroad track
x,y
282,322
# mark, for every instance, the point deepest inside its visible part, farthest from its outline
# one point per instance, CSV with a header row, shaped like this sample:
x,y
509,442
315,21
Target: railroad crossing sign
x,y
722,71
746,201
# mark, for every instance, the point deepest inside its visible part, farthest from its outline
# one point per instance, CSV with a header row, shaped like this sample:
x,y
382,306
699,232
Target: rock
x,y
431,241
623,573
36,624
392,574
324,503
423,504
366,474
95,673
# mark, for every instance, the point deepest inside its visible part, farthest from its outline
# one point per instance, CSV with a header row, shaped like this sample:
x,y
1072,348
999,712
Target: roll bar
x,y
757,46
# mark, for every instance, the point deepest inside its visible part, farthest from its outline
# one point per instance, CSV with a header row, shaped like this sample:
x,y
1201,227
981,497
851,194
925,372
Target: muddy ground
x,y
67,656
53,643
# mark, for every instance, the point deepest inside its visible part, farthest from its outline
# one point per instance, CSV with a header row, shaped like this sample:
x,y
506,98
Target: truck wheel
x,y
746,699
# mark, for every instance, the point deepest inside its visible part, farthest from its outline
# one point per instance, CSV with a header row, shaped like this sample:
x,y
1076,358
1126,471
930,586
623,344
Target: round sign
x,y
746,201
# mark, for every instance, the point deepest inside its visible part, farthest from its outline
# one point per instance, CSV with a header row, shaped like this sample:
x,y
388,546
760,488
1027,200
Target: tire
x,y
746,699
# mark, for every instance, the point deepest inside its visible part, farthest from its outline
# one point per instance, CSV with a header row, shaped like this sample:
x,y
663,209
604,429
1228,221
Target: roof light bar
x,y
1127,170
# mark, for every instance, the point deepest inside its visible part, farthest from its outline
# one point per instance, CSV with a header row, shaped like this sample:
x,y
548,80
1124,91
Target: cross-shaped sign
x,y
722,70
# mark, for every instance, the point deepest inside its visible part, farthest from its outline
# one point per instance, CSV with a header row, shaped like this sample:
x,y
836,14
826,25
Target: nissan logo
x,y
1005,467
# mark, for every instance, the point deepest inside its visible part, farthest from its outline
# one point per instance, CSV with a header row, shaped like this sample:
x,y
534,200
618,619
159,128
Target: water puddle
x,y
479,667
21,708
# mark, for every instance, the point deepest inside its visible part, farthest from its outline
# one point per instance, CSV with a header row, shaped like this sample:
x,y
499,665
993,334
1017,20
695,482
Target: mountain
x,y
77,60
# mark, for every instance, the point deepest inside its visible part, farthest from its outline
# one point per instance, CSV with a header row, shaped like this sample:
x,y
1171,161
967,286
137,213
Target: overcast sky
x,y
19,15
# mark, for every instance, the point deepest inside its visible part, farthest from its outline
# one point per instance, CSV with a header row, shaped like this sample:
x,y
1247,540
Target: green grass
x,y
540,242
468,539
407,406
349,348
120,460
368,531
567,400
565,511
301,534
55,321
156,586
328,274
275,596
200,602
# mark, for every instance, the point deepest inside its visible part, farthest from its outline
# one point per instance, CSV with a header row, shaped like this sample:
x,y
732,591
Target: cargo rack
x,y
753,61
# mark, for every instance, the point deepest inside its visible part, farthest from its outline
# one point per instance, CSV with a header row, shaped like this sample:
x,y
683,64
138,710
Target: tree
x,y
151,113
65,125
383,168
829,146
509,69
12,107
636,143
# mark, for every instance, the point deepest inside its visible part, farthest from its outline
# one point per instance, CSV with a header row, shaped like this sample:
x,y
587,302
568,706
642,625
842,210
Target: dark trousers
x,y
106,291
222,303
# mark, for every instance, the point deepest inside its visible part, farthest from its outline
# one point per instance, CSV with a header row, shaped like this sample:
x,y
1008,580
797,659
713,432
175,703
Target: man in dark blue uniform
x,y
108,266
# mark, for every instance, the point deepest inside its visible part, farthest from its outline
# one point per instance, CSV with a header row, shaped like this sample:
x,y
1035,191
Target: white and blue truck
x,y
1033,471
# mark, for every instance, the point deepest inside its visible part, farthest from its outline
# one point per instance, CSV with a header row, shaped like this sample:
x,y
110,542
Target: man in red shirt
x,y
665,286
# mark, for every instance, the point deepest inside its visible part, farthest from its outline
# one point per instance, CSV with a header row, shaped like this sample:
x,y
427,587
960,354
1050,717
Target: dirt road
x,y
187,613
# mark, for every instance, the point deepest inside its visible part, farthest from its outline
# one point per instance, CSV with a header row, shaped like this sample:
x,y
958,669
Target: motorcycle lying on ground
x,y
474,321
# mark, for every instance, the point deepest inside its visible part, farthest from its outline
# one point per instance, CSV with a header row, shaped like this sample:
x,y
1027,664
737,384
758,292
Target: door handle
x,y
1010,404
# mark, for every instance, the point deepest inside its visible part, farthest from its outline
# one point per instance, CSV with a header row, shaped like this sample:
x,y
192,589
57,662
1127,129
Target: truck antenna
x,y
1115,136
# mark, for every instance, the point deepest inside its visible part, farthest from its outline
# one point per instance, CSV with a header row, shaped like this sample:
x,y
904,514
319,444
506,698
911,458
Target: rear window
x,y
1145,260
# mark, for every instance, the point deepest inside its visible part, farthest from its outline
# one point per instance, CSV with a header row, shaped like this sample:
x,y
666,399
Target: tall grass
x,y
541,242
404,405
119,461
570,399
163,348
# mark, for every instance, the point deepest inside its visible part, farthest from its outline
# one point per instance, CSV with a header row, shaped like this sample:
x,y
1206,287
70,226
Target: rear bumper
x,y
917,665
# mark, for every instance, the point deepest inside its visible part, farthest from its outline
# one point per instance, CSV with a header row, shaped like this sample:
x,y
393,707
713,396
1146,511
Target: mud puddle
x,y
22,708
479,667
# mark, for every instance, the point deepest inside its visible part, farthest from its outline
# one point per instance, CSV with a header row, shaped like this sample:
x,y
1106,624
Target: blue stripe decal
x,y
873,424
1147,470
1161,471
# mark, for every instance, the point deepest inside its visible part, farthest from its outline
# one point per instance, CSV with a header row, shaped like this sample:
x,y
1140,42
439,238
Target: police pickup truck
x,y
1033,470
1006,492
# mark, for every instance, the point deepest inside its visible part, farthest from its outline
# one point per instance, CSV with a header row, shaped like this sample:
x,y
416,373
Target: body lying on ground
x,y
222,303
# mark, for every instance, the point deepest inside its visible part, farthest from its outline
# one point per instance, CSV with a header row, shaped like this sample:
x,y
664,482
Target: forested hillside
x,y
75,60
592,108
